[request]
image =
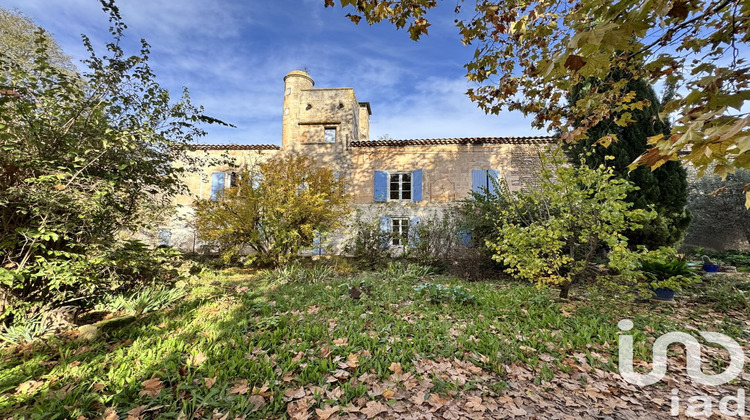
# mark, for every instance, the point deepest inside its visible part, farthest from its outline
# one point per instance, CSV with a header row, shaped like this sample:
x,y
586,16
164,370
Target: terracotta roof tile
x,y
456,140
237,147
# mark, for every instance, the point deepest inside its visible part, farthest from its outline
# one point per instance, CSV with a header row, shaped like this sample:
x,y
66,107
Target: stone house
x,y
398,181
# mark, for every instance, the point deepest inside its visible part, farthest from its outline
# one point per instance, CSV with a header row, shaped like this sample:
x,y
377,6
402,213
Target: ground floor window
x,y
400,230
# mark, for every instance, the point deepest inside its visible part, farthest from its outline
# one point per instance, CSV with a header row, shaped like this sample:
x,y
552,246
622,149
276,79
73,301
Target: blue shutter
x,y
317,244
478,180
465,237
413,233
381,186
217,184
493,181
416,185
385,229
165,238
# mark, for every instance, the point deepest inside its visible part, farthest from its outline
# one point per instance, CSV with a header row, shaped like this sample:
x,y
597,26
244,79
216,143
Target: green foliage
x,y
297,273
21,39
664,270
368,244
51,282
437,240
439,293
235,327
150,299
735,258
724,293
277,208
528,53
25,329
663,189
84,158
406,272
480,214
550,233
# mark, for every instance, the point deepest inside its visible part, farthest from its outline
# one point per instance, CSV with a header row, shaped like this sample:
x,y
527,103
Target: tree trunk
x,y
564,289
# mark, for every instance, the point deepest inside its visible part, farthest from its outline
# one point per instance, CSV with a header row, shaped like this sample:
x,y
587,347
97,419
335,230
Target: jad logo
x,y
699,405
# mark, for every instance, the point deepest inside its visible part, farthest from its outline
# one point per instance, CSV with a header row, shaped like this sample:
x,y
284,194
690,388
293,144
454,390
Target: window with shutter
x,y
485,180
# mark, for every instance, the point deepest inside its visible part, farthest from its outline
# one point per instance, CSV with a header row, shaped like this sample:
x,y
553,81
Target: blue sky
x,y
232,55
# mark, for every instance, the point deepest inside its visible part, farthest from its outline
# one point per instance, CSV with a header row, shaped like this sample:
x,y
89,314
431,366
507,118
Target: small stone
x,y
88,332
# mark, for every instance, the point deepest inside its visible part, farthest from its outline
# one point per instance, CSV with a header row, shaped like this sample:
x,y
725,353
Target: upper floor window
x,y
400,186
485,181
397,186
330,134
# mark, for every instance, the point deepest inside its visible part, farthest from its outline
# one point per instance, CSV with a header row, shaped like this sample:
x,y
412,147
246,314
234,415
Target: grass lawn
x,y
246,345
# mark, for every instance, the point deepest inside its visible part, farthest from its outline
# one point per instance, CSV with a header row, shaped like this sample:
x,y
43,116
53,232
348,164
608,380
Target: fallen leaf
x,y
256,401
352,361
341,341
111,414
196,360
326,412
151,387
240,388
294,393
396,368
475,403
136,412
209,382
28,387
98,386
373,408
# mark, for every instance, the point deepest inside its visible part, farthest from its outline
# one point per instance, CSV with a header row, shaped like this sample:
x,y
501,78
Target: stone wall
x,y
446,164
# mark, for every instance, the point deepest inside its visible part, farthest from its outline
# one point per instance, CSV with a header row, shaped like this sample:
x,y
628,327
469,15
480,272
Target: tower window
x,y
330,134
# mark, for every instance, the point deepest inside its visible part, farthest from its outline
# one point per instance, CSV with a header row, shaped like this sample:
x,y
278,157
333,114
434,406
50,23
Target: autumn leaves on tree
x,y
530,54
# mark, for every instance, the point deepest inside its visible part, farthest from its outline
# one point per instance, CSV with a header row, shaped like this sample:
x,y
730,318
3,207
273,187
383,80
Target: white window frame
x,y
401,186
400,234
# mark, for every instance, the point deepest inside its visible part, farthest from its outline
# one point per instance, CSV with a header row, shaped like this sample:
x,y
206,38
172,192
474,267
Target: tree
x,y
529,54
85,158
278,207
21,38
720,219
664,188
550,233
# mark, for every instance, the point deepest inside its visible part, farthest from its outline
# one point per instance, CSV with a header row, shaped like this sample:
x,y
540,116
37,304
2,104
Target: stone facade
x,y
332,126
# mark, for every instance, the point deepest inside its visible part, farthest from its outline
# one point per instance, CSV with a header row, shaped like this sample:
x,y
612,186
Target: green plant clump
x,y
439,293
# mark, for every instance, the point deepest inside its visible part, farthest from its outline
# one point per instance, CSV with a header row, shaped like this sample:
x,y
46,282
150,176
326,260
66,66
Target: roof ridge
x,y
459,140
236,147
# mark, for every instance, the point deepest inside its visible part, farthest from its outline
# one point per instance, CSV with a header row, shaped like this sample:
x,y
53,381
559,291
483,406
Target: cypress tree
x,y
664,188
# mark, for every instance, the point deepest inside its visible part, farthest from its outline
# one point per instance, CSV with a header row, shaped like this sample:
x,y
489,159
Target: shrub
x,y
437,240
663,270
473,264
277,207
75,278
550,233
82,158
368,243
